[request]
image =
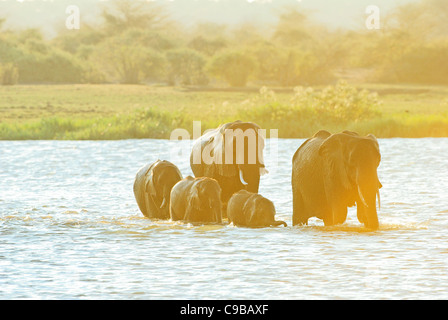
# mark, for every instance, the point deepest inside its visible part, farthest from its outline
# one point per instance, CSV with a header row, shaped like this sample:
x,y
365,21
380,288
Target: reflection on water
x,y
70,229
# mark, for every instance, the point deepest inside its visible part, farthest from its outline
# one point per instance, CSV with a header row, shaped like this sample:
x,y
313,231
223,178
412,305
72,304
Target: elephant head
x,y
204,201
350,175
233,155
260,212
163,176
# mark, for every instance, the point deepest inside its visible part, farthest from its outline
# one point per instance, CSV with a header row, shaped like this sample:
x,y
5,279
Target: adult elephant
x,y
249,209
331,172
232,154
152,188
196,200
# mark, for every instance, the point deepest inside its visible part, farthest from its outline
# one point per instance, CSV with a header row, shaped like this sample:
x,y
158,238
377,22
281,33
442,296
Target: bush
x,y
339,103
335,108
9,74
425,64
126,59
55,67
234,67
186,66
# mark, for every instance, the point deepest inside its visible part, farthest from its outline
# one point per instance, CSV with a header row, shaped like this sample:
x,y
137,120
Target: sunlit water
x,y
70,229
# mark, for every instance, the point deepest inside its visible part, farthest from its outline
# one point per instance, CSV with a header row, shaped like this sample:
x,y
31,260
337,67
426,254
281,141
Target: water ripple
x,y
70,229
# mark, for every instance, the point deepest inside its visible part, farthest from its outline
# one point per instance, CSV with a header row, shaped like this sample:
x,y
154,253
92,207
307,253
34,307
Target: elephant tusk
x,y
242,179
379,199
361,197
164,203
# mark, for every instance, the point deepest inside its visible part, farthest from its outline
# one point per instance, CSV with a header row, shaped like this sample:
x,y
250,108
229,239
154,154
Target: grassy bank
x,y
99,112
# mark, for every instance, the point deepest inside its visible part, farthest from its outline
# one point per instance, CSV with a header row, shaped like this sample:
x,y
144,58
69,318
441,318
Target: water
x,y
70,229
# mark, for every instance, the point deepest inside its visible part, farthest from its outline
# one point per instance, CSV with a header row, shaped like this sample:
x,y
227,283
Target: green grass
x,y
97,112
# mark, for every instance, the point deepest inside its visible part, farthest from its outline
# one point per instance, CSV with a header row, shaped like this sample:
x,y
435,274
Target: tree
x,y
122,15
235,67
293,28
125,59
9,74
207,46
186,66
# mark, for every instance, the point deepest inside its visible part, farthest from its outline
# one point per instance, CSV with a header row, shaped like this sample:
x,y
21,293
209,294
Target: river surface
x,y
70,229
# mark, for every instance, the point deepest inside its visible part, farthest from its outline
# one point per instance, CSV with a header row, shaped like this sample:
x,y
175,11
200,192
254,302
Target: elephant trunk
x,y
249,177
164,206
218,214
368,191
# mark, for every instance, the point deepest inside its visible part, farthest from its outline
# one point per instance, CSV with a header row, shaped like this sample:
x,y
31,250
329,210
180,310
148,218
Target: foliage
x,y
186,66
124,58
235,67
309,110
9,74
121,15
137,41
208,46
134,111
341,103
426,64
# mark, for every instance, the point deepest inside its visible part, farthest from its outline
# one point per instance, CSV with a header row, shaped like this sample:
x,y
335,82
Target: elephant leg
x,y
360,212
146,200
173,214
224,210
336,214
298,215
341,215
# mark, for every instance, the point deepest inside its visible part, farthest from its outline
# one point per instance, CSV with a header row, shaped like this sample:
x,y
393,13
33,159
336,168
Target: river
x,y
70,229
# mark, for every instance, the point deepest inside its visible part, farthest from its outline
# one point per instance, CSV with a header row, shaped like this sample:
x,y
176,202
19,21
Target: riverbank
x,y
109,112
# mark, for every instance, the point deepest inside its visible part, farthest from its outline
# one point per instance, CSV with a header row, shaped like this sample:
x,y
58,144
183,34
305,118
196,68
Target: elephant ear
x,y
251,213
150,186
176,169
375,141
248,210
193,199
334,151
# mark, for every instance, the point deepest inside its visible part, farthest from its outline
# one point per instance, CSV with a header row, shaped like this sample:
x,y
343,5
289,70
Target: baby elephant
x,y
152,188
196,200
249,209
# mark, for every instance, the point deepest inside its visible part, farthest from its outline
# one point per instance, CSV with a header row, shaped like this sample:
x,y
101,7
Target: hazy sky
x,y
50,14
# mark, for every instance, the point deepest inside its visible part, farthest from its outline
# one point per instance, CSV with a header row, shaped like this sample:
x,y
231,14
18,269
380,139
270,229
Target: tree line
x,y
138,42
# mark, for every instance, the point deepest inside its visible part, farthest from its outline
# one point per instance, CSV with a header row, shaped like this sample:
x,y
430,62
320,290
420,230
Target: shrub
x,y
425,64
55,67
234,67
126,59
9,74
341,102
186,66
335,108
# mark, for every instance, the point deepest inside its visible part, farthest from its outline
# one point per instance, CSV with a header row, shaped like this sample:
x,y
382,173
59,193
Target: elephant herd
x,y
330,172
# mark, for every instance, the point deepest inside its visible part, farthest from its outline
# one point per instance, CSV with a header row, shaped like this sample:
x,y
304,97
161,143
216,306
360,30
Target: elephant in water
x,y
331,172
251,210
152,188
232,154
196,200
